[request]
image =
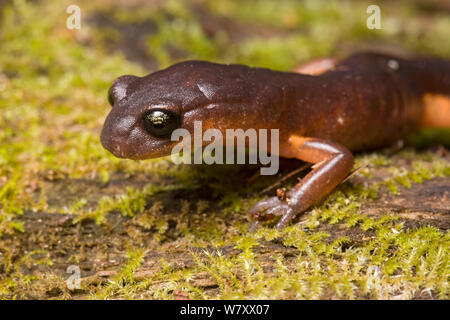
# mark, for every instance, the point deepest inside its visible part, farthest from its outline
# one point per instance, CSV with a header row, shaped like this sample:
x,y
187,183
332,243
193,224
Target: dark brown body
x,y
364,102
351,107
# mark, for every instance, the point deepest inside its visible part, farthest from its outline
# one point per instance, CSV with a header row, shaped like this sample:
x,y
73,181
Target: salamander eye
x,y
160,123
111,97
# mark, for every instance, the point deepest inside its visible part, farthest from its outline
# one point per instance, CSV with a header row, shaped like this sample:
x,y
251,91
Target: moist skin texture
x,y
324,111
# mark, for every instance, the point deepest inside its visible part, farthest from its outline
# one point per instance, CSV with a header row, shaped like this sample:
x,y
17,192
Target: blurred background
x,y
54,174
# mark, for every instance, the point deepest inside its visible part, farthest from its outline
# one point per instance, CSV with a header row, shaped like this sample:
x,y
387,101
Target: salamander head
x,y
146,110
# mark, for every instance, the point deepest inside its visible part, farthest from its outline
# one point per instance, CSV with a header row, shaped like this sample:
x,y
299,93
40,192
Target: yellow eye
x,y
160,123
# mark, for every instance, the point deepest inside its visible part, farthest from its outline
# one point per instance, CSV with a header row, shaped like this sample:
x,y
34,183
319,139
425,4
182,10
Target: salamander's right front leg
x,y
332,163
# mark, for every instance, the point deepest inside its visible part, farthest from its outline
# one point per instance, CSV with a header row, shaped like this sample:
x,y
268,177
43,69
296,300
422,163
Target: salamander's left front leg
x,y
332,163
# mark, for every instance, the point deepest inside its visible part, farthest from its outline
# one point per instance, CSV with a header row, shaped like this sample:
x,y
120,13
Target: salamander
x,y
325,111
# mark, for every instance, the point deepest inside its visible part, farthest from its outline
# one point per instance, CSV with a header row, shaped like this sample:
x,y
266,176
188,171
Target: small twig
x,y
290,174
395,148
351,174
253,177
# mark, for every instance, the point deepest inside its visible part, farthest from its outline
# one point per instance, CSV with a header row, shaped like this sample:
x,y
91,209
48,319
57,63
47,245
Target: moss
x,y
128,204
123,283
52,104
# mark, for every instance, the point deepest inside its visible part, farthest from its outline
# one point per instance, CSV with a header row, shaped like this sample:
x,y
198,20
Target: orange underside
x,y
436,112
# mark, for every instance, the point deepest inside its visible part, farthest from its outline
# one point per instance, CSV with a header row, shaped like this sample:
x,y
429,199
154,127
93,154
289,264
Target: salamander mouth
x,y
117,151
112,147
111,143
123,149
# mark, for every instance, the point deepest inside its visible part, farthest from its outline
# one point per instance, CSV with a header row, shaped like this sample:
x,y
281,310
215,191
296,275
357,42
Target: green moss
x,y
128,204
123,284
427,137
53,85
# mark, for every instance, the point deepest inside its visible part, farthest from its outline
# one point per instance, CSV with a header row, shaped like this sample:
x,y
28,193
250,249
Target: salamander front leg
x,y
332,163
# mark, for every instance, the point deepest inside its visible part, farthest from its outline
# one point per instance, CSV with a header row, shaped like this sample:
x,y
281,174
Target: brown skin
x,y
364,102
